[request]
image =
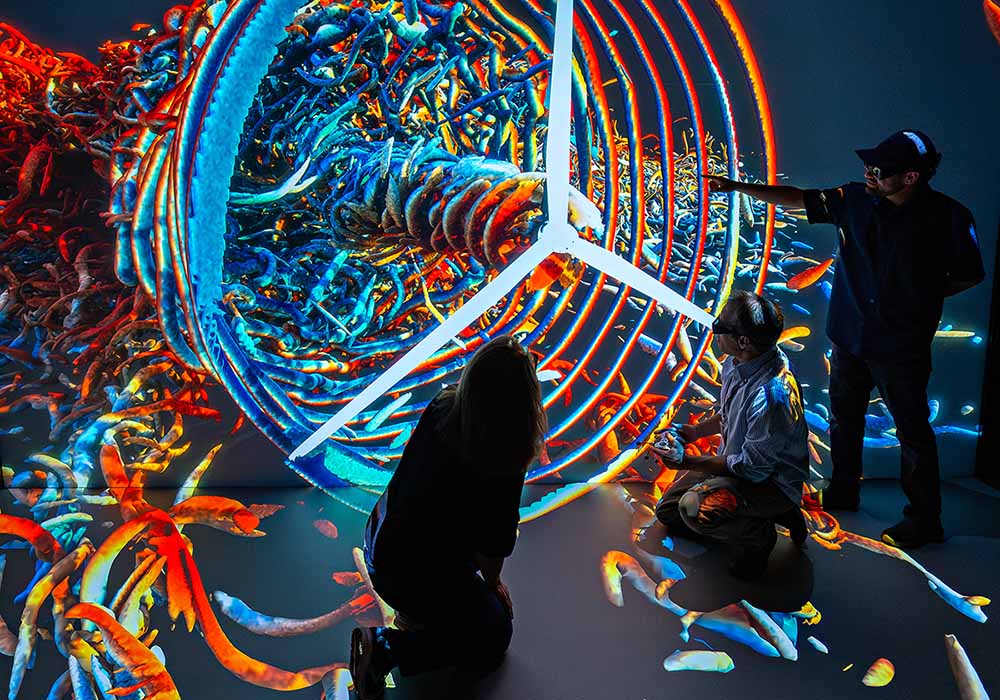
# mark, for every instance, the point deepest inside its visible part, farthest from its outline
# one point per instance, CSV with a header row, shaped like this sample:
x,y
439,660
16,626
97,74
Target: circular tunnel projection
x,y
339,178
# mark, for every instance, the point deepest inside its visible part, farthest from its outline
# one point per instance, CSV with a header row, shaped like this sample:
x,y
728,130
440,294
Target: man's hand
x,y
673,455
490,568
689,432
717,183
504,596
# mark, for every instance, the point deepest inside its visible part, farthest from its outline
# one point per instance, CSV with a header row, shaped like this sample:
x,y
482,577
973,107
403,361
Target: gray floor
x,y
570,641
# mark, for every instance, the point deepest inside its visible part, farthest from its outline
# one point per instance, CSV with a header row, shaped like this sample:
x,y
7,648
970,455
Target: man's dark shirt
x,y
895,266
437,513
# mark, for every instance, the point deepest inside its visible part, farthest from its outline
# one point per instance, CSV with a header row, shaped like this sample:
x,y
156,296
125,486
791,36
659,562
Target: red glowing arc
x,y
992,11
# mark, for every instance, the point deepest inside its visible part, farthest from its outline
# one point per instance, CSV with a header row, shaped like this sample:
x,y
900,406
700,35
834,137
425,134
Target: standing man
x,y
755,481
903,248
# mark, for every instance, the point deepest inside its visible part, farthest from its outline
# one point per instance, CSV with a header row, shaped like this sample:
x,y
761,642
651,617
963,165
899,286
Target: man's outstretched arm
x,y
782,195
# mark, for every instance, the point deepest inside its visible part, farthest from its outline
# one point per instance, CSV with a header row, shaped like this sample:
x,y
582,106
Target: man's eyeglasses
x,y
879,173
874,171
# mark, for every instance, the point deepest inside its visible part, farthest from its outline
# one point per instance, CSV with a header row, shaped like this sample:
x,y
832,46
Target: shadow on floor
x,y
786,587
450,684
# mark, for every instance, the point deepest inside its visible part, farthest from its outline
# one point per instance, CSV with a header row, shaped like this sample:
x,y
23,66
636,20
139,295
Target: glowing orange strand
x,y
45,545
140,662
216,511
244,667
766,122
810,276
992,10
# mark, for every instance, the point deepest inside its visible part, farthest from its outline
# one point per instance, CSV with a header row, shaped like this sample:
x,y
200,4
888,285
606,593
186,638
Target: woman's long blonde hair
x,y
497,417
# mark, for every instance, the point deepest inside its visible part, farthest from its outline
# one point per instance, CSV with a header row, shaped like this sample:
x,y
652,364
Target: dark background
x,y
839,76
844,75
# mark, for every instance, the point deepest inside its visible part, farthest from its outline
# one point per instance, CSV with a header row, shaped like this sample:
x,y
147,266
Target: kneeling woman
x,y
437,539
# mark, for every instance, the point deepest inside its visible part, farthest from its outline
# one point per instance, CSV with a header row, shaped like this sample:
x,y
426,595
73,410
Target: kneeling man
x,y
756,479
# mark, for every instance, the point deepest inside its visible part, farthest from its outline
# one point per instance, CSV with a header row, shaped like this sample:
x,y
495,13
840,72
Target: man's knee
x,y
703,511
846,408
689,504
916,431
666,510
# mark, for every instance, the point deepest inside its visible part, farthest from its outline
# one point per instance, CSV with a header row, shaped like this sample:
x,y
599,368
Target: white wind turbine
x,y
556,236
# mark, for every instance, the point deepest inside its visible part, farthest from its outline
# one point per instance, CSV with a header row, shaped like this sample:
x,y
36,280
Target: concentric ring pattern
x,y
389,161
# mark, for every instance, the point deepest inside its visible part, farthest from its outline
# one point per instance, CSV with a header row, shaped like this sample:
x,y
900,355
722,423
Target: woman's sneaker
x,y
370,661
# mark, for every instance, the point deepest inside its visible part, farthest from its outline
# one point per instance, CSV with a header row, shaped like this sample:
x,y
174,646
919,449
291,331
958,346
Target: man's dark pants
x,y
902,384
734,511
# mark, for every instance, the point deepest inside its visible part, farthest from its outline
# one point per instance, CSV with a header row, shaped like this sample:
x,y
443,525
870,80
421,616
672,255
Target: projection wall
x,y
226,213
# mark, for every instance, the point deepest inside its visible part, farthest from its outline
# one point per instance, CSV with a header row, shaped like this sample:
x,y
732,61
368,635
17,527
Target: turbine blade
x,y
560,114
472,309
627,273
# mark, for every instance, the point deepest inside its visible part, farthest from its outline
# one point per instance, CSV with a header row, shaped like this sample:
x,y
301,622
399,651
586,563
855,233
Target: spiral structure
x,y
315,187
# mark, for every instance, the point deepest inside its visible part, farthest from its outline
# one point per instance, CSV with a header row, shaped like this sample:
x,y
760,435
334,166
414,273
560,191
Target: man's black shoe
x,y
796,525
840,498
910,533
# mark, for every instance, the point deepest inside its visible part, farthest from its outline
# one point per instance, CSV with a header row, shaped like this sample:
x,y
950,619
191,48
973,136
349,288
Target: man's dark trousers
x,y
902,383
726,509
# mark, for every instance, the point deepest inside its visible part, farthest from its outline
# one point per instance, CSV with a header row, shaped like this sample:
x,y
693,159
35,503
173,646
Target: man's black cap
x,y
901,151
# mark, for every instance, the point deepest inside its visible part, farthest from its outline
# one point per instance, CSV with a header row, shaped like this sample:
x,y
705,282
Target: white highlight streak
x,y
467,314
917,141
621,269
560,114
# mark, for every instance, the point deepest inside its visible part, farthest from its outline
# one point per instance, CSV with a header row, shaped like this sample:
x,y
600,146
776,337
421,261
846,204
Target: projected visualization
x,y
238,219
